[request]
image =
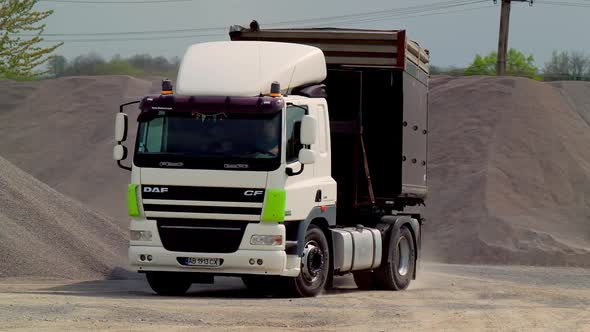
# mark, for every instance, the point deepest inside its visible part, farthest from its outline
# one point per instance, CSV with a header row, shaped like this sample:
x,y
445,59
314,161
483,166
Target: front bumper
x,y
275,261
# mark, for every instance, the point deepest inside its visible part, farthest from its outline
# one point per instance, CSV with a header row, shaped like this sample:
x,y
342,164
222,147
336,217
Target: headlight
x,y
266,240
141,235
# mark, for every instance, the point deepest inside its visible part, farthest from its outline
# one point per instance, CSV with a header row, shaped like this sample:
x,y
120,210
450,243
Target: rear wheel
x,y
168,283
397,268
315,265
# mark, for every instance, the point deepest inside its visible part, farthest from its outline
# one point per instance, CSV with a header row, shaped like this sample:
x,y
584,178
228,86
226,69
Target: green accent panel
x,y
132,206
274,205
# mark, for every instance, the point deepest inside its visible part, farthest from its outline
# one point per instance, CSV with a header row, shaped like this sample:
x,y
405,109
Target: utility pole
x,y
503,35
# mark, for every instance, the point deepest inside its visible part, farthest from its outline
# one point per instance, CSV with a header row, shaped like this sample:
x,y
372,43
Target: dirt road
x,y
446,297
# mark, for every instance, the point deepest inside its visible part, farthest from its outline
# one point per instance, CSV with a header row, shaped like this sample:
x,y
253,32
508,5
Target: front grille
x,y
199,235
202,209
251,195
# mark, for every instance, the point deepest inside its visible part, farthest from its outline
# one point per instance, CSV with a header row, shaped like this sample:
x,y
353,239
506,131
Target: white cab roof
x,y
247,68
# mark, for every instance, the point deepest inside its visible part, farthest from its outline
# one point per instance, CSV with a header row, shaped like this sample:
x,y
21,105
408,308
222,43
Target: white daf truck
x,y
284,157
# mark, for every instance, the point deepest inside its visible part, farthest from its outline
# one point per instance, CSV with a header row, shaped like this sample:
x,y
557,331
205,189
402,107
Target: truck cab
x,y
232,175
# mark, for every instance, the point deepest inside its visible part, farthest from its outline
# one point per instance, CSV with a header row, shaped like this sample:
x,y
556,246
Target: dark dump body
x,y
377,92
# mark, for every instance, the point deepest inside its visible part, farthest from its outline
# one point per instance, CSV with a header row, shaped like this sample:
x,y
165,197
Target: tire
x,y
365,280
168,283
399,258
315,266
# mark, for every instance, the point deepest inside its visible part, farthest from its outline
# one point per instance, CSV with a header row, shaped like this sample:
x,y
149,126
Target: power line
x,y
442,13
565,4
407,14
368,16
128,39
126,32
374,14
115,2
223,34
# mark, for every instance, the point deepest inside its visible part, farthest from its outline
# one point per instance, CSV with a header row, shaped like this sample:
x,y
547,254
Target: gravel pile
x,y
61,132
46,234
509,175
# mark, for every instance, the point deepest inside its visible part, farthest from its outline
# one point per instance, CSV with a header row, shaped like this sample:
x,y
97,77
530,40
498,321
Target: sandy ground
x,y
445,297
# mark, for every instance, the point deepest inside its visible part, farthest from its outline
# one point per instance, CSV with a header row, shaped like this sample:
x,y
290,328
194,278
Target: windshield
x,y
209,140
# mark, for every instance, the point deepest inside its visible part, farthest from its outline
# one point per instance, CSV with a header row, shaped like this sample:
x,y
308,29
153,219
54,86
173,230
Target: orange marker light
x,y
275,89
167,87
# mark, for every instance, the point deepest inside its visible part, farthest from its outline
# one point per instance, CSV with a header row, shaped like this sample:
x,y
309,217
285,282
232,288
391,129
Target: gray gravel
x,y
445,297
509,175
45,234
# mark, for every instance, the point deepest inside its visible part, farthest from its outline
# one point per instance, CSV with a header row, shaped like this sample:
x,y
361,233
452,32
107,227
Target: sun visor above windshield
x,y
248,68
175,103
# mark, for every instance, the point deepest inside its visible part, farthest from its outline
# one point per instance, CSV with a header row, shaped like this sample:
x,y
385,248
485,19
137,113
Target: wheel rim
x,y
403,248
312,262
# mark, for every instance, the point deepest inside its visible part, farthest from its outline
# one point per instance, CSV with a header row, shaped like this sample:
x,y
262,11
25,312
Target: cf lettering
x,y
253,192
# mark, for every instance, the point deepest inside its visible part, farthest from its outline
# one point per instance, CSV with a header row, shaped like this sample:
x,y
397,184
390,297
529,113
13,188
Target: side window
x,y
294,116
151,136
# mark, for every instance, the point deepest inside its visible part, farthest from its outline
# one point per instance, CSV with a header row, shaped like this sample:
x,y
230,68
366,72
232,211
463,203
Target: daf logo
x,y
253,192
155,189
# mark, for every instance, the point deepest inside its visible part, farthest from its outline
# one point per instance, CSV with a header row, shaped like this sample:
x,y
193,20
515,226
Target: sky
x,y
453,34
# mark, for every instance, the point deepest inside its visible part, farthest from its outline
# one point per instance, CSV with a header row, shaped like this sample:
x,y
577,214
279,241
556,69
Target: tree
x,y
89,64
57,65
118,66
450,71
482,65
558,65
578,64
517,64
567,66
520,65
94,64
20,55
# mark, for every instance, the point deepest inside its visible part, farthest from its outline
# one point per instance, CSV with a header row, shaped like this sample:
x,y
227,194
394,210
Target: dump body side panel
x,y
415,133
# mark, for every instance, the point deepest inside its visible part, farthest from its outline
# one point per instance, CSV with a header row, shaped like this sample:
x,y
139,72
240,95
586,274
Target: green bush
x,y
517,64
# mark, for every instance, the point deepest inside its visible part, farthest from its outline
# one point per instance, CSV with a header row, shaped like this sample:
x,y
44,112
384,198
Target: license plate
x,y
200,261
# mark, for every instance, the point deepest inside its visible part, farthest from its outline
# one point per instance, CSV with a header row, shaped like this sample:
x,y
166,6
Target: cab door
x,y
323,164
301,186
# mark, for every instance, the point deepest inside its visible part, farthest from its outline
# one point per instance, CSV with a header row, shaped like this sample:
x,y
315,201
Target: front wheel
x,y
168,283
315,265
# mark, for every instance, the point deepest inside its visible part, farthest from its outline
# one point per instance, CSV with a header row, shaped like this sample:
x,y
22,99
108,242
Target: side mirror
x,y
308,130
119,152
306,156
121,127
